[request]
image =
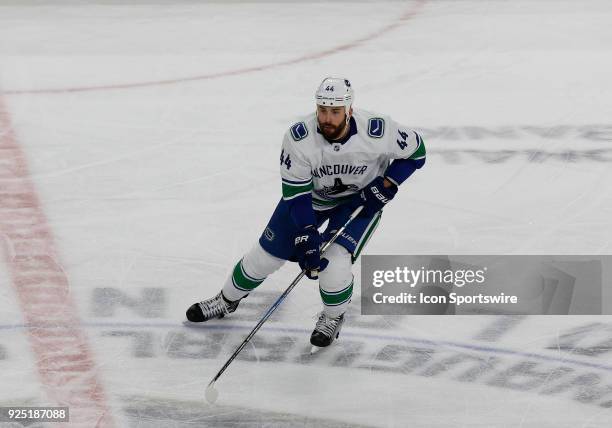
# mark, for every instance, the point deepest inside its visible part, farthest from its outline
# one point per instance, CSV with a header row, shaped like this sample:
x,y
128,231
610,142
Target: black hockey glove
x,y
374,197
307,250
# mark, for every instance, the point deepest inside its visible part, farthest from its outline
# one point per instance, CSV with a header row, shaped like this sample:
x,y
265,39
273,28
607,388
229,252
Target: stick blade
x,y
211,394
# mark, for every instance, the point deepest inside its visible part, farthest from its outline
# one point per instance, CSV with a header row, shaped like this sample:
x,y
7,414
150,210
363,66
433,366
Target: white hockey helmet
x,y
335,91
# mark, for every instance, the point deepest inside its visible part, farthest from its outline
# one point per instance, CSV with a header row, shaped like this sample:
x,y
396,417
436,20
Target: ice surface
x,y
151,134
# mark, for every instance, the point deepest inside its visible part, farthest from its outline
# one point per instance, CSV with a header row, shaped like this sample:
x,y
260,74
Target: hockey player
x,y
333,161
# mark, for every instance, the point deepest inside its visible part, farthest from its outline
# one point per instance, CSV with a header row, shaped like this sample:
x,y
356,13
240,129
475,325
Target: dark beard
x,y
334,133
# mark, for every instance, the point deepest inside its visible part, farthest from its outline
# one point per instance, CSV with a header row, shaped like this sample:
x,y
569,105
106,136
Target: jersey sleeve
x,y
294,169
404,143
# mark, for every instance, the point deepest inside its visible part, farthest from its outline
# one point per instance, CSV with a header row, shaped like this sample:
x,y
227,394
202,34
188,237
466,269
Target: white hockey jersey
x,y
333,172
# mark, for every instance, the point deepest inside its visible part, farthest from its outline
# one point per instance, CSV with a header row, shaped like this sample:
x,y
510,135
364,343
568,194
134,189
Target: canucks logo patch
x,y
299,131
376,127
337,188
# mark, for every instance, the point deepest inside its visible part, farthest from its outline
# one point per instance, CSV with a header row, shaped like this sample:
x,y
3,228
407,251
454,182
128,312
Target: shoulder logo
x,y
299,131
376,127
269,234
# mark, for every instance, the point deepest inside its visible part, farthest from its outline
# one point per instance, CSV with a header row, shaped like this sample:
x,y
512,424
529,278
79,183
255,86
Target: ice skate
x,y
215,307
326,331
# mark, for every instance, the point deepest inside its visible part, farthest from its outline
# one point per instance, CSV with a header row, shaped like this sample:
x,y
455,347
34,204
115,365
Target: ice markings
x,y
184,414
592,340
150,304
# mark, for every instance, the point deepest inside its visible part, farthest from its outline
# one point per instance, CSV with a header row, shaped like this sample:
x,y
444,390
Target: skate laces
x,y
326,325
214,307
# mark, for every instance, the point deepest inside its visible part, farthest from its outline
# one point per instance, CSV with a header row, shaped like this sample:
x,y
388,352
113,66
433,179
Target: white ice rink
x,y
139,152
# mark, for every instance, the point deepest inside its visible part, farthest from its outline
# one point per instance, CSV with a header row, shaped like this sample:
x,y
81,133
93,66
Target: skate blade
x,y
315,349
200,324
194,324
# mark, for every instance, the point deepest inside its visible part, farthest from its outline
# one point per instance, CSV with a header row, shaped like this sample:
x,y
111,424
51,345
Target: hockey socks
x,y
249,272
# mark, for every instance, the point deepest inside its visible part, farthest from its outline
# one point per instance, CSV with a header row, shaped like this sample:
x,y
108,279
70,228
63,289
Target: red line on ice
x,y
63,358
407,15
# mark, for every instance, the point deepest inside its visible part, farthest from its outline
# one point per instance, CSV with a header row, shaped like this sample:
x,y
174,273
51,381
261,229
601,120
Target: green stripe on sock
x,y
336,298
241,281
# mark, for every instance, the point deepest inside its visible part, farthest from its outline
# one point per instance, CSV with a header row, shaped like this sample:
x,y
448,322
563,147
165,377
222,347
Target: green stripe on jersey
x,y
337,297
242,280
291,191
419,153
296,183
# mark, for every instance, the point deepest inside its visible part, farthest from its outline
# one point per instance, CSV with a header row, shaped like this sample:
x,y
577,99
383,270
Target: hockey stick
x,y
211,393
